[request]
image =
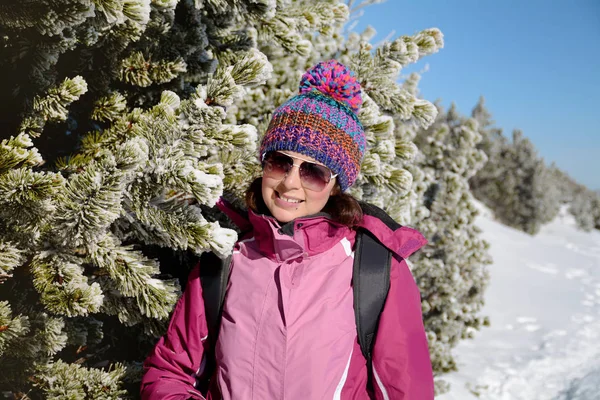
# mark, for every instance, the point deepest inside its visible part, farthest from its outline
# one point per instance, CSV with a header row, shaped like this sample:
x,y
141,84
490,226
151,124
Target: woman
x,y
288,327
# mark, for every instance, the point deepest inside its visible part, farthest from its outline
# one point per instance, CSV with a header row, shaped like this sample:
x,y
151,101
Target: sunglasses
x,y
313,176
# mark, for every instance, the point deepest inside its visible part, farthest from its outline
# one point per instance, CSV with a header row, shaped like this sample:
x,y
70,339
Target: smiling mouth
x,y
288,200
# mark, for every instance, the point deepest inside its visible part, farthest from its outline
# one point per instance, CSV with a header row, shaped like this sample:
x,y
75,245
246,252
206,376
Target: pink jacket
x,y
288,328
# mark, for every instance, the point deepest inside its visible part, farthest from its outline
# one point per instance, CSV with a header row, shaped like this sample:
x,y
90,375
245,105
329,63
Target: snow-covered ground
x,y
544,304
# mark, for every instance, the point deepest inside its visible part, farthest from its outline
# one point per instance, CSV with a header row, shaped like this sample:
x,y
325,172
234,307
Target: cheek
x,y
266,188
319,200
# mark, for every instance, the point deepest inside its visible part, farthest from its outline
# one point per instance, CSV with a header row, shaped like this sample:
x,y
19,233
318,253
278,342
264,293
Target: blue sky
x,y
536,62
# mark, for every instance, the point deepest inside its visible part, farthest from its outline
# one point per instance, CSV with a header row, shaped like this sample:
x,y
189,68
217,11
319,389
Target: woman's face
x,y
287,199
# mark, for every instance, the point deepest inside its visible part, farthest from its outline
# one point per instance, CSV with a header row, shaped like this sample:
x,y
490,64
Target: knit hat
x,y
321,121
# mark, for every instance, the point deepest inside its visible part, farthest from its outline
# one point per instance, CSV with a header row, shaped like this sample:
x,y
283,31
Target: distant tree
x,y
584,207
564,184
596,208
528,198
582,202
515,183
485,184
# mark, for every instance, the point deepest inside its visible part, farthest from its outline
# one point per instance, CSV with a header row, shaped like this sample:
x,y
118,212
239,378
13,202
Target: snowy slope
x,y
544,305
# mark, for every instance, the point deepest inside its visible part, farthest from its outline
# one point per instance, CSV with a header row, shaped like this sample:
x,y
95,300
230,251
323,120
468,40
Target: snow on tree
x,y
127,119
114,129
451,270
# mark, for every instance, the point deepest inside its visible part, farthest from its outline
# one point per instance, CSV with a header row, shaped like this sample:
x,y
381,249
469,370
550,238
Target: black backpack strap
x,y
371,283
214,276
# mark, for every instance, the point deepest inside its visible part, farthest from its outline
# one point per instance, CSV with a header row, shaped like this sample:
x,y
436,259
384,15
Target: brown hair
x,y
342,207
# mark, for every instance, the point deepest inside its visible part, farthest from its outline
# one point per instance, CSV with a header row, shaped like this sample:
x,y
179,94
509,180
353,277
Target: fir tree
x,y
451,269
515,182
529,198
596,210
581,202
115,132
584,207
485,183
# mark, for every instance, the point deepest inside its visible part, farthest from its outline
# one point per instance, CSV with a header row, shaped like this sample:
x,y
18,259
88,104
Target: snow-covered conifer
x,y
584,207
582,203
113,140
451,270
515,182
483,183
526,197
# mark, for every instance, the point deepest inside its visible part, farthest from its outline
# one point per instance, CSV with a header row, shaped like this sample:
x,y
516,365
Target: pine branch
x,y
27,202
18,152
54,105
10,328
109,108
63,288
132,275
91,201
139,71
62,380
10,258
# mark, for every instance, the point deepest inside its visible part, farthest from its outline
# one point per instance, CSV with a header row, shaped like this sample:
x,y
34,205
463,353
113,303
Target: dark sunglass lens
x,y
278,164
315,176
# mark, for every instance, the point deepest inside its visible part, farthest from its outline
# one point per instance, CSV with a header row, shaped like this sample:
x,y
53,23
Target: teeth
x,y
289,200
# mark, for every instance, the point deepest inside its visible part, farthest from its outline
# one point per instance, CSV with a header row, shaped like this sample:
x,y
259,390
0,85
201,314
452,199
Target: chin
x,y
286,216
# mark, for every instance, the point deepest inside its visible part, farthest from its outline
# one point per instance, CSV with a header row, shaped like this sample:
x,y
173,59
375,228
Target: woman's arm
x,y
170,370
401,361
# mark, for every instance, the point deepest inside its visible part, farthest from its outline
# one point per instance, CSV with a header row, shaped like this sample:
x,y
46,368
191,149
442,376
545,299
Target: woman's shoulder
x,y
401,240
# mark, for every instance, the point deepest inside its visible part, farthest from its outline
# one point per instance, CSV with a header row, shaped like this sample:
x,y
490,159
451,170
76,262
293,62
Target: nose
x,y
292,179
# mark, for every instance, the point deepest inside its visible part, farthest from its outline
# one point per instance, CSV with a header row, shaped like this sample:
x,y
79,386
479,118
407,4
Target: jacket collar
x,y
301,238
311,235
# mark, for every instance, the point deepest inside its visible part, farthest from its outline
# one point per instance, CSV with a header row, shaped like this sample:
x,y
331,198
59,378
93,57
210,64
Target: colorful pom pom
x,y
334,80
